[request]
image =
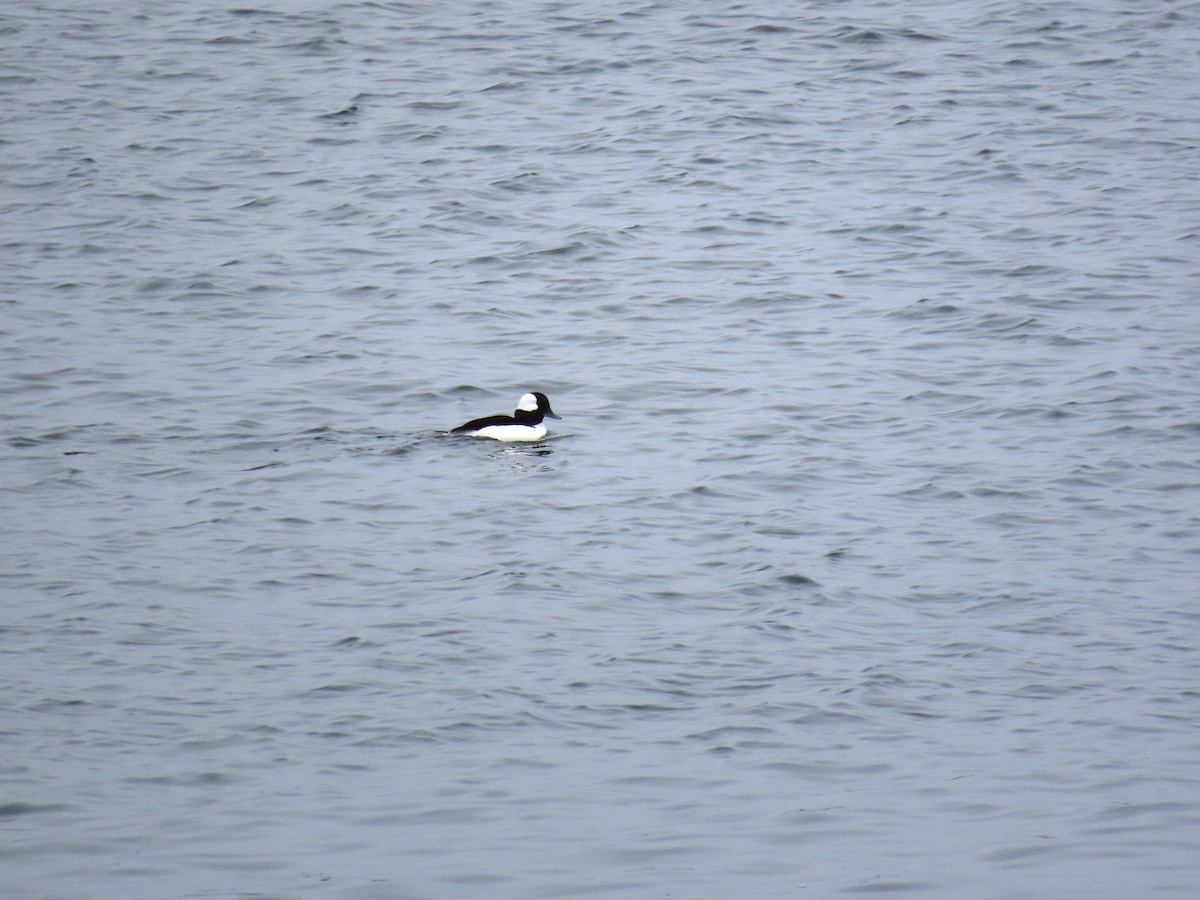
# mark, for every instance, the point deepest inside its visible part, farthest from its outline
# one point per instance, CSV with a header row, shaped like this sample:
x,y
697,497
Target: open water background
x,y
865,559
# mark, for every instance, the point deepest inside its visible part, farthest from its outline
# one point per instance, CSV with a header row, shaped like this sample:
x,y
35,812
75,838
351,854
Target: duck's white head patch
x,y
528,403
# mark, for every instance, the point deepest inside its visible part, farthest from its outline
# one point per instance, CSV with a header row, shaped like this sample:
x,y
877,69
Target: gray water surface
x,y
866,555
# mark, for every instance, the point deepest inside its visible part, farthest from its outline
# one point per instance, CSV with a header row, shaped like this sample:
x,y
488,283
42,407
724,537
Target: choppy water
x,y
865,558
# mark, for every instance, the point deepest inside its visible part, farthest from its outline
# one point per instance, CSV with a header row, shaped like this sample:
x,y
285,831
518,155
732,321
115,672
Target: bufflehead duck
x,y
525,424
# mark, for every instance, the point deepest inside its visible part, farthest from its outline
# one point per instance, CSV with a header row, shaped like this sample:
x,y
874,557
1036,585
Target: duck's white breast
x,y
512,432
